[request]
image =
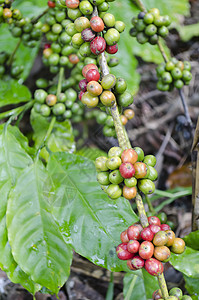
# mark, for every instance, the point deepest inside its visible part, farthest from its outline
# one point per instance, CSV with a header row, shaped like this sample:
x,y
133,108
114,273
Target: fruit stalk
x,y
140,5
151,208
163,286
164,55
122,136
61,75
186,111
16,111
141,211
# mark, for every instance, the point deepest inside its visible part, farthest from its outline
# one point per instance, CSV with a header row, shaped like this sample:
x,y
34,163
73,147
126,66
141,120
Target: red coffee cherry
x,y
157,295
94,88
129,265
147,234
146,250
127,170
87,68
165,227
122,252
97,24
154,266
134,232
72,3
46,46
154,228
92,75
51,4
80,95
133,246
83,85
112,49
98,45
137,262
162,253
140,170
129,192
73,58
124,237
88,35
154,221
130,156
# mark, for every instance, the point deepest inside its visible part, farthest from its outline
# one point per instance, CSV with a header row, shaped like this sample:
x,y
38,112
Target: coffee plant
x,y
53,199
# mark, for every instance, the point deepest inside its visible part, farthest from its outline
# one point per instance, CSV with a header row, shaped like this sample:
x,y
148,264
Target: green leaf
x,y
11,92
192,240
188,32
61,138
136,287
91,153
13,158
31,8
34,236
192,287
181,262
24,56
95,222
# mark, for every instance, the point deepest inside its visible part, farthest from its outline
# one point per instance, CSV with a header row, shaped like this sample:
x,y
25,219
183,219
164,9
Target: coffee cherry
x,y
72,3
45,110
109,20
51,4
114,191
147,234
119,26
127,170
100,164
140,153
94,88
124,120
140,25
129,156
112,36
84,49
150,30
146,186
153,174
129,265
81,23
113,163
89,100
130,182
87,35
122,252
125,99
186,75
108,131
133,246
40,96
172,298
129,113
115,151
162,217
177,292
163,31
148,18
150,160
124,237
85,7
107,98
157,295
142,38
112,49
160,238
155,12
61,97
154,228
129,192
103,7
178,246
162,253
51,100
171,237
146,250
137,262
108,81
73,14
96,2
97,24
140,170
115,177
134,232
103,178
120,86
58,109
186,297
92,75
154,267
98,45
165,227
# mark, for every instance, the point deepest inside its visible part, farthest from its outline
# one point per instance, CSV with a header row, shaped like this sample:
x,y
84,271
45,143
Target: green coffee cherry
x,y
103,178
115,151
114,191
115,177
146,186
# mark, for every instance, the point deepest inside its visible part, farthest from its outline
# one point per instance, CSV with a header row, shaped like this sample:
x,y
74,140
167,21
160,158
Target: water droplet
x,y
49,262
76,228
34,247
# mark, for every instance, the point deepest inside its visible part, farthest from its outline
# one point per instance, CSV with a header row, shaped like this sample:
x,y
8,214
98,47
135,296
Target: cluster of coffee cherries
x,y
87,28
20,26
149,26
59,52
174,294
172,74
148,247
13,70
123,172
93,89
63,106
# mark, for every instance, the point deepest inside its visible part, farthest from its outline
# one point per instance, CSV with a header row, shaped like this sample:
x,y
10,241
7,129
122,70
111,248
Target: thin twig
x,y
35,20
164,55
14,52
